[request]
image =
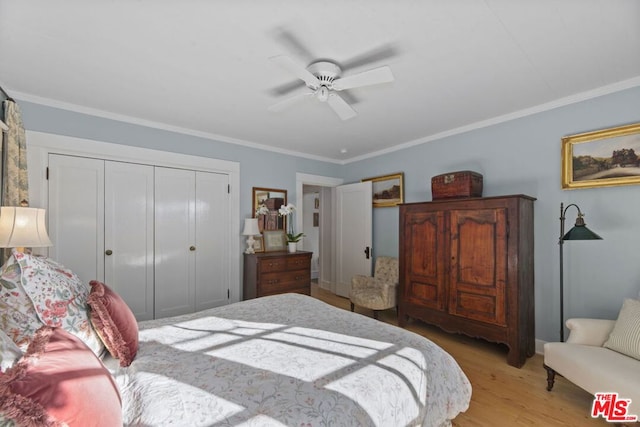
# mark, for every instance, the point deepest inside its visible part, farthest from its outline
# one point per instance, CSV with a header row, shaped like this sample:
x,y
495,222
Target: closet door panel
x,y
212,219
129,218
76,214
174,238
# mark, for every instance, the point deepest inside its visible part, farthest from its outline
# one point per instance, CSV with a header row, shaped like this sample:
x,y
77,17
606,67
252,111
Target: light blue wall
x,y
258,168
523,156
519,156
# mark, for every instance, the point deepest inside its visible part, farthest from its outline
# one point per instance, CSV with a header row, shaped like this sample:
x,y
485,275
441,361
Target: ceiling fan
x,y
323,81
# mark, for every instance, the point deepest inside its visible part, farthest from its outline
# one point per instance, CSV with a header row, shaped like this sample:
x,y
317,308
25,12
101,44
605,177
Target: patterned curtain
x,y
13,172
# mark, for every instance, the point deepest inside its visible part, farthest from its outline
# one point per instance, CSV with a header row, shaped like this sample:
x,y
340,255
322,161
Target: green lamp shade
x,y
581,232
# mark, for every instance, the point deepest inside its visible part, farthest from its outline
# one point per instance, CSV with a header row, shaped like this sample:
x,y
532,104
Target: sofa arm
x,y
589,331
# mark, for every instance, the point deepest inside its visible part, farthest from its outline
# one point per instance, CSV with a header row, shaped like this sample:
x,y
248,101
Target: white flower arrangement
x,y
262,210
288,210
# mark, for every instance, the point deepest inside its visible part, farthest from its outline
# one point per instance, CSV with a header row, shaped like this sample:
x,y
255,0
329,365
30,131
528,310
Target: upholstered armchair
x,y
377,292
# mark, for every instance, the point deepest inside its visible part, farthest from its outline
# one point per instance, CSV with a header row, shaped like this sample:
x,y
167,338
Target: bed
x,y
282,360
287,360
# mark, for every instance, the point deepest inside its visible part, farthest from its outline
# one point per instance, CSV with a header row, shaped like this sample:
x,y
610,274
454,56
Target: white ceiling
x,y
201,67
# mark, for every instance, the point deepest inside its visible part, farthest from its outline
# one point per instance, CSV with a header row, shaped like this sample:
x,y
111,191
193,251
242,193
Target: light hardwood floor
x,y
502,395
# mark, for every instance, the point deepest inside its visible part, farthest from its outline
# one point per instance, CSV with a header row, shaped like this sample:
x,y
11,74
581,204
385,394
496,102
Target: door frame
x,y
303,179
41,144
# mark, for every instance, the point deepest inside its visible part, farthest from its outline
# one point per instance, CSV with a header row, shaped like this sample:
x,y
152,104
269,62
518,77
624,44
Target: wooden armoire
x,y
466,265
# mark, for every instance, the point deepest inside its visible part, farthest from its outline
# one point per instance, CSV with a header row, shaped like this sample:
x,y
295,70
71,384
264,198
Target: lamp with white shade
x,y
250,229
22,227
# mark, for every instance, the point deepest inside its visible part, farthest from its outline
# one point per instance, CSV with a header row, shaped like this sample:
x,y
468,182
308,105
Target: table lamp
x,y
250,229
22,227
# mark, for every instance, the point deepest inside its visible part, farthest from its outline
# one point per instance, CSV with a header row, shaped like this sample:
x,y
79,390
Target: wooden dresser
x,y
466,265
270,273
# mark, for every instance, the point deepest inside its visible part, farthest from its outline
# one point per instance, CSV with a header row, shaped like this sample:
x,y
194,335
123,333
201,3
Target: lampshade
x,y
580,232
23,227
251,227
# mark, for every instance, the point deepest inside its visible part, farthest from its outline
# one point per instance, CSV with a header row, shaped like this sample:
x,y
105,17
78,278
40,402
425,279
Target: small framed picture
x,y
316,219
258,244
274,240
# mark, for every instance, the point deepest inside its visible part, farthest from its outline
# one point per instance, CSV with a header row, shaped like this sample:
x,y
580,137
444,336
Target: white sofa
x,y
584,361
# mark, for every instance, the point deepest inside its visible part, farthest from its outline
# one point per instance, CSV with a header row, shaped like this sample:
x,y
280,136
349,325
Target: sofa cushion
x,y
625,337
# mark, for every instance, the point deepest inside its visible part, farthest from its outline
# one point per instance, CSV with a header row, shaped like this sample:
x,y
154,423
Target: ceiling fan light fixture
x,y
322,94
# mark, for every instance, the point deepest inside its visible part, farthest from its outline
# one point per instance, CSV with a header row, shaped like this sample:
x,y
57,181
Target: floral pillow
x,y
18,317
59,297
9,352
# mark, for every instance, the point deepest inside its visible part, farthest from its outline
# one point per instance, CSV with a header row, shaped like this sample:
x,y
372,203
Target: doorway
x,y
320,239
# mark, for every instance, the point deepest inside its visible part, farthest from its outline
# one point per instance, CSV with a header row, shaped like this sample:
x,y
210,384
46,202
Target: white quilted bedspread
x,y
287,360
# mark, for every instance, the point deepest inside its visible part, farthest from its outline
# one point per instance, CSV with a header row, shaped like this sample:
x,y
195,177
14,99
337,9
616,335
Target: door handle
x,y
367,252
192,248
108,252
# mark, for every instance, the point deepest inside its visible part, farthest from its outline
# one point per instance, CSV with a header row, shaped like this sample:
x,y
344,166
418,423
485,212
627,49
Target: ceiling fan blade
x,y
287,88
284,104
293,43
379,53
297,70
340,106
366,78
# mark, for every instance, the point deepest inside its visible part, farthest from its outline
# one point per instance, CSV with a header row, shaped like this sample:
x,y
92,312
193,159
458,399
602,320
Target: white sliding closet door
x,y
175,241
128,234
212,219
76,214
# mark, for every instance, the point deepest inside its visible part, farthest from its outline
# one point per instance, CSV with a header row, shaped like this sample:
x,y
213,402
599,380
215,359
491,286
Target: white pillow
x,y
9,352
625,337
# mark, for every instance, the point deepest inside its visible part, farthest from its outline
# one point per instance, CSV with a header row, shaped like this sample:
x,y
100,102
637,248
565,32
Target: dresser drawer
x,y
278,282
272,264
298,262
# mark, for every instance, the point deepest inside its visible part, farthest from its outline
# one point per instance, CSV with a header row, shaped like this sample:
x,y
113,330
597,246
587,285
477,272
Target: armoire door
x,y
191,225
479,264
128,234
424,259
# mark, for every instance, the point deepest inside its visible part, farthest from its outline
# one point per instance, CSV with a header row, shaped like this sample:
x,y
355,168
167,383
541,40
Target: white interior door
x,y
353,233
174,239
211,240
76,214
128,234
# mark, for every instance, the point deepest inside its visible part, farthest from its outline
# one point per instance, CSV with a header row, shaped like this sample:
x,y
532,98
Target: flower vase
x,y
292,247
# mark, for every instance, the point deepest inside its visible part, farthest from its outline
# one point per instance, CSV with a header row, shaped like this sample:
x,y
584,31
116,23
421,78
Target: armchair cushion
x,y
377,292
625,337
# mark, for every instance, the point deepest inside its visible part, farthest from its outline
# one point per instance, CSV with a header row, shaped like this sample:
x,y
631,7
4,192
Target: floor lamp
x,y
578,232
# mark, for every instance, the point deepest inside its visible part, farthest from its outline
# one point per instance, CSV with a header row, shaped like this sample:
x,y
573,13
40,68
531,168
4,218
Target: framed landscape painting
x,y
602,158
388,190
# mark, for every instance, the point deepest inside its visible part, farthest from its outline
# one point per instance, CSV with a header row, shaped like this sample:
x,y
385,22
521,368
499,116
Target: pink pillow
x,y
114,321
59,381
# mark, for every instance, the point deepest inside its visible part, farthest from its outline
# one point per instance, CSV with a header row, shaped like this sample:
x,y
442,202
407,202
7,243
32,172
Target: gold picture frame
x,y
388,190
602,158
